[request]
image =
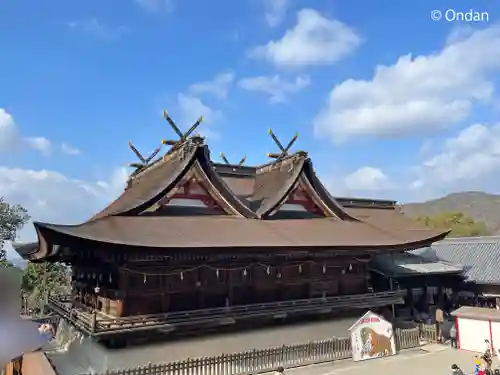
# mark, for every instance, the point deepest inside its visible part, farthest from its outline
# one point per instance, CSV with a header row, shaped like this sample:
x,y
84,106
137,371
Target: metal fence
x,y
258,361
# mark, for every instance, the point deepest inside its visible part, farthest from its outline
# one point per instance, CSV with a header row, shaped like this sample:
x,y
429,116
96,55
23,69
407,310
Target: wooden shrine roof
x,y
247,198
232,232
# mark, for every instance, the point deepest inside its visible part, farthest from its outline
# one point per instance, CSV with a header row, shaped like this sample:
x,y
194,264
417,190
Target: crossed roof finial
x,y
240,163
284,150
144,162
183,137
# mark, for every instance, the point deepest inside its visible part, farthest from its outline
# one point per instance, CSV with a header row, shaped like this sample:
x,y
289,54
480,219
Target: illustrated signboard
x,y
372,337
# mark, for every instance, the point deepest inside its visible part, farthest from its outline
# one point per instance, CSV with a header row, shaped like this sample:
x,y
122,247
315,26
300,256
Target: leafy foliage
x,y
39,279
460,224
42,279
12,219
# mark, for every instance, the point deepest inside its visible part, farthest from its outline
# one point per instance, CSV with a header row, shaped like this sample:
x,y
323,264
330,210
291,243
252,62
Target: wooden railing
x,y
84,321
259,361
50,319
106,326
428,332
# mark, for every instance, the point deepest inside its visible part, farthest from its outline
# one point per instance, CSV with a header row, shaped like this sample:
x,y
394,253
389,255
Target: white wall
x,y
472,334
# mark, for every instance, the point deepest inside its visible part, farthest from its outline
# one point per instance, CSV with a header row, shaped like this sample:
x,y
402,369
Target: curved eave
x,y
36,251
282,194
426,241
26,250
173,233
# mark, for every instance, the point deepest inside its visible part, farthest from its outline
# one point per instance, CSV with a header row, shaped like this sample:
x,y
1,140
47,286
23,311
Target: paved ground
x,y
84,355
436,361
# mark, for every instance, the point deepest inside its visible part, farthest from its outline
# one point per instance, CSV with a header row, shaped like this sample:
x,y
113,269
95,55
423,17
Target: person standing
x,y
439,323
453,336
487,355
487,348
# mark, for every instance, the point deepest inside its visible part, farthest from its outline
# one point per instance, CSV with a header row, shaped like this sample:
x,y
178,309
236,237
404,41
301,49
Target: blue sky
x,y
388,102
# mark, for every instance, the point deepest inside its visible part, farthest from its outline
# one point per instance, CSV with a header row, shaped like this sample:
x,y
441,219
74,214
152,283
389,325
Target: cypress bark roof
x,y
247,198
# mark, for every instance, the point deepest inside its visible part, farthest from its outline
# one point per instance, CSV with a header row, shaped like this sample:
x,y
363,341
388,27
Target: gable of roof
x,y
274,182
149,186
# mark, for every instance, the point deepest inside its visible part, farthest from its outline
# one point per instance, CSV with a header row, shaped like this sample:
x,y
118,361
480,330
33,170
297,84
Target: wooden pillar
x,y
409,297
230,297
426,298
391,288
309,280
440,296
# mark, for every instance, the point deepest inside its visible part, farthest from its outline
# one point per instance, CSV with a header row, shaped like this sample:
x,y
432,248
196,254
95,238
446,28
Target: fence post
x,y
255,361
93,322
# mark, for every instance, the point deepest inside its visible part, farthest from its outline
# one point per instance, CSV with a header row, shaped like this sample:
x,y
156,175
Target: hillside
x,y
480,206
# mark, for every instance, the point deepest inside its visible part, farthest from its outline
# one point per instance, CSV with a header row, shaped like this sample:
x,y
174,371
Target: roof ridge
x,y
195,141
287,158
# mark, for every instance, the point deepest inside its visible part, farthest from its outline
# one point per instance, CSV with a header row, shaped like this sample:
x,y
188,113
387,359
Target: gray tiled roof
x,y
480,256
407,264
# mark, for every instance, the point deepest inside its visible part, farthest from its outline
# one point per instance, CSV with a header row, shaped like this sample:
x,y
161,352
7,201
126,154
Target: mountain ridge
x,y
478,205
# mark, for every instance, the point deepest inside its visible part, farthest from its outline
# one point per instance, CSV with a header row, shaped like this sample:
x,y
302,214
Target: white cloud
x,y
367,178
156,6
275,11
417,94
314,40
468,161
96,28
41,144
277,88
69,150
11,138
9,133
191,108
53,197
219,86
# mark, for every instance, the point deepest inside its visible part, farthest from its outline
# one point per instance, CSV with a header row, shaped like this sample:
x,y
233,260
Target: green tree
x,y
459,223
43,279
12,219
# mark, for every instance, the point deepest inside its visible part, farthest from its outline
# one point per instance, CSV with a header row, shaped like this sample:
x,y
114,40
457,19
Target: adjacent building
x,y
480,259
